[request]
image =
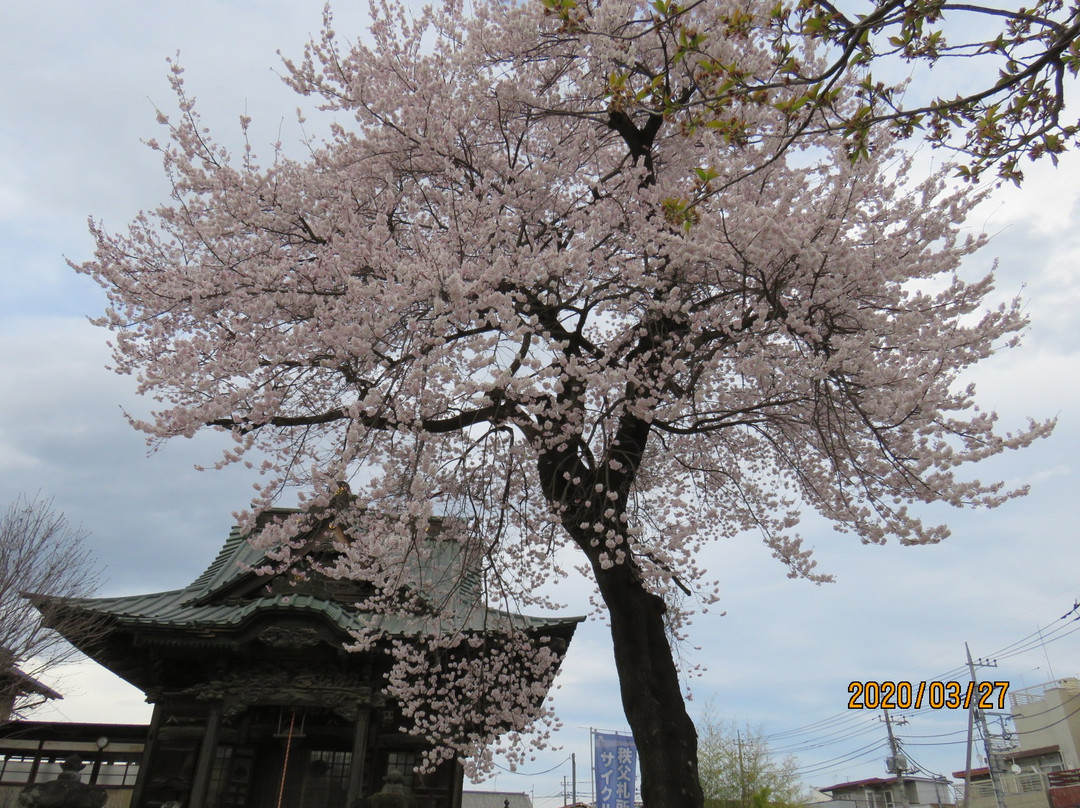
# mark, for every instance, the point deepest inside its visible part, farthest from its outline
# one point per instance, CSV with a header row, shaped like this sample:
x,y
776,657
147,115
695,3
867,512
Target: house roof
x,y
869,781
14,682
495,799
873,781
72,732
233,614
230,594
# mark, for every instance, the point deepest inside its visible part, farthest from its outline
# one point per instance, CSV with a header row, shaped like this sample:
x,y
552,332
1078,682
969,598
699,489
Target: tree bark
x,y
648,679
651,693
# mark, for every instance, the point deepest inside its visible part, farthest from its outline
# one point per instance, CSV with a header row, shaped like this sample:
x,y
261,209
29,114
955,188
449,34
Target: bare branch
x,y
40,554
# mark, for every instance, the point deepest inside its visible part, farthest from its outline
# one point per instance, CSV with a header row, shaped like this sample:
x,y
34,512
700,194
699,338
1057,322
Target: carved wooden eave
x,y
344,694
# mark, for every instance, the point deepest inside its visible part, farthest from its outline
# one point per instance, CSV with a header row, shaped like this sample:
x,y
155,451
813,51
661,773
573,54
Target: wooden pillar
x,y
458,784
204,767
359,753
147,755
37,762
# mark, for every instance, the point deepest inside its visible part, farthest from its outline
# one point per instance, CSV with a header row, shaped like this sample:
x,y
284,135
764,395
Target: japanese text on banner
x,y
615,764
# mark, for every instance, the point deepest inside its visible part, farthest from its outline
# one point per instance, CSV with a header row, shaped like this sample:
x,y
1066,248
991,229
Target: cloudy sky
x,y
79,83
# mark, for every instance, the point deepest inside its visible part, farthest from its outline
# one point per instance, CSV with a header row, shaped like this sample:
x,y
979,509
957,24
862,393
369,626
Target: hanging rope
x,y
285,765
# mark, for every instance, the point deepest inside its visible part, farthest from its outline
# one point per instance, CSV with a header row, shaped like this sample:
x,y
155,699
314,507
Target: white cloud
x,y
62,432
93,695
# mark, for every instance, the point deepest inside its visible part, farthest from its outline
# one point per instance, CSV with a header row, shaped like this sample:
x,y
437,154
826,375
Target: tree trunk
x,y
651,694
648,679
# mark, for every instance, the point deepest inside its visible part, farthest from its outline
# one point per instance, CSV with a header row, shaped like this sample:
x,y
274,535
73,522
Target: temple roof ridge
x,y
220,571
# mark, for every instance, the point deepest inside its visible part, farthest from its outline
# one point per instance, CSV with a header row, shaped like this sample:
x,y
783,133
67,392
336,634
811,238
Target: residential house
x,y
1064,789
1021,775
1049,715
891,792
1047,729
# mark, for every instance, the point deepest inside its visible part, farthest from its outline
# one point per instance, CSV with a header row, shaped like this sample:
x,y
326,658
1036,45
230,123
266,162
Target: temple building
x,y
256,702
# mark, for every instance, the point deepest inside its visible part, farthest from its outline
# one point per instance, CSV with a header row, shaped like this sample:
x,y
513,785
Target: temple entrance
x,y
309,778
282,758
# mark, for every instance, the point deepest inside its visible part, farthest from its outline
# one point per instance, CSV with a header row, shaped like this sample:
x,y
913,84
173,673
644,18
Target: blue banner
x,y
615,768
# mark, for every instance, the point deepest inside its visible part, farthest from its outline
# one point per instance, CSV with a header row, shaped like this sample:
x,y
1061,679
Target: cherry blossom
x,y
526,284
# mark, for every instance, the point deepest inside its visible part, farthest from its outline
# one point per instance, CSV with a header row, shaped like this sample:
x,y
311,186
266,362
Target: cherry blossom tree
x,y
530,282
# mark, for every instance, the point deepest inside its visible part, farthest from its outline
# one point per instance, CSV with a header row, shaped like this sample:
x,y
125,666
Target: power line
x,y
532,774
834,763
846,729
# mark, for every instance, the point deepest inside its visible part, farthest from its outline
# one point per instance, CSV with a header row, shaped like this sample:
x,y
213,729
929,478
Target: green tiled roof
x,y
209,603
173,610
231,560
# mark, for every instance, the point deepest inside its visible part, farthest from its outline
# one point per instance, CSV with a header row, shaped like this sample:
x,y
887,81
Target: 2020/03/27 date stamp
x,y
903,695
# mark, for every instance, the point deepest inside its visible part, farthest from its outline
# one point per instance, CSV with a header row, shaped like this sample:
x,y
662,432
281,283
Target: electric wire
x,y
1041,636
842,728
833,763
1051,724
533,774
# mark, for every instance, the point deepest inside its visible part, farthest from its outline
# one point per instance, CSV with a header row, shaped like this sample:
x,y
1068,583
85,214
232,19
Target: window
x,y
49,767
117,773
1027,783
16,769
879,799
334,765
222,757
983,788
403,763
326,781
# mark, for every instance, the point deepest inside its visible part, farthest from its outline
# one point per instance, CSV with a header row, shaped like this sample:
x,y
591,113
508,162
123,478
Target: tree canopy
x,y
739,770
553,275
1004,73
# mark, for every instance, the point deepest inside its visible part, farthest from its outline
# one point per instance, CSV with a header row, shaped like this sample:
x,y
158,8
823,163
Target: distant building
x,y
1049,715
15,685
884,792
32,751
1064,789
495,799
1022,777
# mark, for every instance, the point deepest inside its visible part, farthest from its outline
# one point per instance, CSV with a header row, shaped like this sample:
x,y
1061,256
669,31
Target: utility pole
x,y
742,773
967,766
991,758
899,762
573,778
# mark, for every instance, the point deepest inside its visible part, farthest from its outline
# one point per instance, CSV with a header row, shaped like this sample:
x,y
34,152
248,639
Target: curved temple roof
x,y
230,595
